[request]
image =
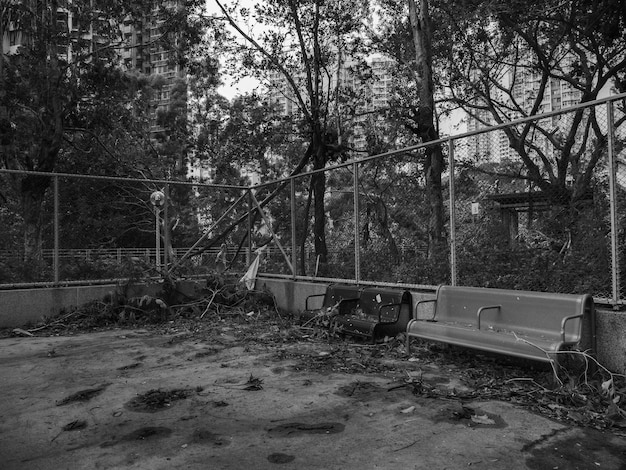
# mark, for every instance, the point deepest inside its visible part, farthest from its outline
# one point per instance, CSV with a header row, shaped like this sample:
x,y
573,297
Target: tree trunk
x,y
380,210
305,230
319,190
433,165
47,143
33,190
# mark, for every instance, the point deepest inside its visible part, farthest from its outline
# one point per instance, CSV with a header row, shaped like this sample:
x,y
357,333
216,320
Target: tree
x,y
496,47
63,84
422,32
302,43
406,35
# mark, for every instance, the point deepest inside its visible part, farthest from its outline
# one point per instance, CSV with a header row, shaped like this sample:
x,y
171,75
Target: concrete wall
x,y
291,296
23,306
20,307
611,339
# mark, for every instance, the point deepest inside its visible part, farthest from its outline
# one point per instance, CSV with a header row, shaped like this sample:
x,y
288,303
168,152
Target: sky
x,y
231,87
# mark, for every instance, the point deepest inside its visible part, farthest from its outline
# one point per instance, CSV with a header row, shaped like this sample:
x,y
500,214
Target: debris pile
x,y
220,297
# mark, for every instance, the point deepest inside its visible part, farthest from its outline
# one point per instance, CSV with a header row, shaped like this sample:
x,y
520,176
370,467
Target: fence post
x,y
615,271
357,224
166,227
249,253
157,240
55,259
294,255
453,274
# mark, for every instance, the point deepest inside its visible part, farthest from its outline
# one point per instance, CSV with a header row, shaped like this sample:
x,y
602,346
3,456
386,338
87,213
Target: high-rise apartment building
x,y
139,48
524,88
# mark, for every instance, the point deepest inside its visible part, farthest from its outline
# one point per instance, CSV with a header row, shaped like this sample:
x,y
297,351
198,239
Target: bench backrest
x,y
348,293
390,302
537,313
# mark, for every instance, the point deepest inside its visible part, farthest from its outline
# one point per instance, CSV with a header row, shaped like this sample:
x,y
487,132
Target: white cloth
x,y
249,278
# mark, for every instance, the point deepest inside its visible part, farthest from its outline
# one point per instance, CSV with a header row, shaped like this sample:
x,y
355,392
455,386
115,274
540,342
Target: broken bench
x,y
367,312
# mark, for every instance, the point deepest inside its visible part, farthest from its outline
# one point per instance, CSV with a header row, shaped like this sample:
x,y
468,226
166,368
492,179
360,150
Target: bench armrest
x,y
380,310
423,302
482,309
306,302
564,322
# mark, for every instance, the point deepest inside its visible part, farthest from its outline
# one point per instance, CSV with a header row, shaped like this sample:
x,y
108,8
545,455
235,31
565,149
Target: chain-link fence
x,y
537,204
95,228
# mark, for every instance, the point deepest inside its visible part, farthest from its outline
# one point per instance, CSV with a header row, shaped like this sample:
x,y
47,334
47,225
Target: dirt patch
x,y
280,458
157,400
83,395
141,434
296,429
219,403
205,436
362,391
458,413
594,450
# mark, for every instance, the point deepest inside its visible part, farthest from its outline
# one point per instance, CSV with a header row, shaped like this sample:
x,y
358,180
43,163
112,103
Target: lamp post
x,y
157,199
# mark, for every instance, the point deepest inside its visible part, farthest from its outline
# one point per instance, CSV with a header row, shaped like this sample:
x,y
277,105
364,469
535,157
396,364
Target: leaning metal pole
x,y
615,274
207,233
274,237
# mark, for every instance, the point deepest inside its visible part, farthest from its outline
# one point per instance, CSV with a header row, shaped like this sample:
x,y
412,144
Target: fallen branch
x,y
54,322
213,294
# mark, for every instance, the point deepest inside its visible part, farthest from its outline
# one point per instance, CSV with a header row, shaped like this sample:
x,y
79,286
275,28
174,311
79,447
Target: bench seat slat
x,y
503,342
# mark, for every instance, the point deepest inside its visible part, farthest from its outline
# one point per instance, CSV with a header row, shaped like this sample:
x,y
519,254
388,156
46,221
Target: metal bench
x,y
530,325
379,312
370,312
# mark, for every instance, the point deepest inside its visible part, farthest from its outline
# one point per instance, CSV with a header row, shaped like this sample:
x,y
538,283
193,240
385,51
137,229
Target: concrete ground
x,y
148,399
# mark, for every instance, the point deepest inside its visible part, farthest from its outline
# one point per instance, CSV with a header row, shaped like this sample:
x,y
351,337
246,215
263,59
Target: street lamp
x,y
157,199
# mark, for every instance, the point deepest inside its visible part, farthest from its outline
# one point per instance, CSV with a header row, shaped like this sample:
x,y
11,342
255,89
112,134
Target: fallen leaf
x,y
408,410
